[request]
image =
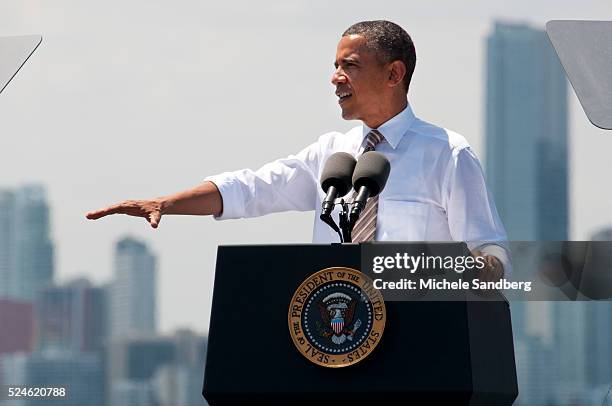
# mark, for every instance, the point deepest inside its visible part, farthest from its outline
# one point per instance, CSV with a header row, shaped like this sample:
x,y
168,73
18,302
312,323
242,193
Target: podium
x,y
456,352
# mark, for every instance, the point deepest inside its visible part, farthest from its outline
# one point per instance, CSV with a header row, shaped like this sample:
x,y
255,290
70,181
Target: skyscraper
x,y
133,290
81,374
71,317
26,250
570,352
598,331
526,133
180,383
16,331
17,326
598,345
533,358
137,359
165,371
7,241
527,172
133,363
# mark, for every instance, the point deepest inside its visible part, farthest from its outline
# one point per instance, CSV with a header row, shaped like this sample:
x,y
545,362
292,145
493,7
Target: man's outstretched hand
x,y
201,200
151,210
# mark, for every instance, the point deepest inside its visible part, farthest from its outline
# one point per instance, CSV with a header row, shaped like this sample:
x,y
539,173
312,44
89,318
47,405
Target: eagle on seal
x,y
337,312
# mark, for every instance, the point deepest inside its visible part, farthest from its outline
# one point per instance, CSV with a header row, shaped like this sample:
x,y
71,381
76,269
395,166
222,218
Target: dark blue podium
x,y
455,352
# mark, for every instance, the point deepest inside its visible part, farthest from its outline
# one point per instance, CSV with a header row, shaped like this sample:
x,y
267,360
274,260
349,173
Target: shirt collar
x,y
394,129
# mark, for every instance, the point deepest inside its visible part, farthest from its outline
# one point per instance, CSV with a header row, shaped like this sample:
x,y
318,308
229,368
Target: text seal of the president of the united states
x,y
336,317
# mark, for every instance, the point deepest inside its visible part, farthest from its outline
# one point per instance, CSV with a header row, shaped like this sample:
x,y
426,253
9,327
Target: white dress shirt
x,y
436,189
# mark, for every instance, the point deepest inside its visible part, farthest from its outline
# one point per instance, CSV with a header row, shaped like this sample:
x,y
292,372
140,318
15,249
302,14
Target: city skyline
x,y
100,343
26,250
157,104
63,338
562,349
526,142
177,92
526,133
133,290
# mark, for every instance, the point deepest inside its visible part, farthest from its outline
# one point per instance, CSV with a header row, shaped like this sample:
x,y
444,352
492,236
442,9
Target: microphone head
x,y
337,172
372,170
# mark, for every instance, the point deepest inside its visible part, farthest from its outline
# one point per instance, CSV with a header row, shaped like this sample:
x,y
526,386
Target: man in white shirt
x,y
436,189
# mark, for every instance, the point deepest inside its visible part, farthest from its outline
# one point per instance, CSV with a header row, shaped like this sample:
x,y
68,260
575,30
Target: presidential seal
x,y
336,317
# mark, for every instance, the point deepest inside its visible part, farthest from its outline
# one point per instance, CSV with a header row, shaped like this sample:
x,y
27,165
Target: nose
x,y
338,76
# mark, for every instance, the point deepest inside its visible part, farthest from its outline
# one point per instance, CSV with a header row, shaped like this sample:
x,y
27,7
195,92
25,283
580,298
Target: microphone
x,y
369,179
336,180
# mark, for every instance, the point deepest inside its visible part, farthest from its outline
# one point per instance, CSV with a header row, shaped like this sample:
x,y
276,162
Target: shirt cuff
x,y
498,251
231,195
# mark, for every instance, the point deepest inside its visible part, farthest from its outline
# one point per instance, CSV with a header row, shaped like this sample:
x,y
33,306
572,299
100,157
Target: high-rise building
x,y
16,329
71,317
81,374
526,133
133,290
16,326
534,371
26,250
180,383
598,343
527,173
133,393
598,333
169,370
190,347
132,363
7,241
569,352
137,359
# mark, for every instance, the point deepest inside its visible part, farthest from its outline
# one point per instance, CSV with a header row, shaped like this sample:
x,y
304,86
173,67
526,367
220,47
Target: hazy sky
x,y
136,99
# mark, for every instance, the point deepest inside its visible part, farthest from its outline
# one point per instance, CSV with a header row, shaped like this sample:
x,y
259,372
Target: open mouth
x,y
343,96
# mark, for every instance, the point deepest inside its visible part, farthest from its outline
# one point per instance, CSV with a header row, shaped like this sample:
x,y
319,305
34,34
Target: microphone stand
x,y
347,221
330,222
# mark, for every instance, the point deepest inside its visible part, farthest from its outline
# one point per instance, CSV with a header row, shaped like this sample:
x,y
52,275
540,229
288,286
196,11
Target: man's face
x,y
360,79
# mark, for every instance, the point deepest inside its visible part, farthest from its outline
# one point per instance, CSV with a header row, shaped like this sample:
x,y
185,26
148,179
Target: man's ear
x,y
397,72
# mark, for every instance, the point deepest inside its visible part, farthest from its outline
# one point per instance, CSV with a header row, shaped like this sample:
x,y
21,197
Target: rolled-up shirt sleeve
x,y
285,184
471,211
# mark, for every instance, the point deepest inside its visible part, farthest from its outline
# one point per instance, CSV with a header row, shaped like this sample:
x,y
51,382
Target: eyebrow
x,y
347,60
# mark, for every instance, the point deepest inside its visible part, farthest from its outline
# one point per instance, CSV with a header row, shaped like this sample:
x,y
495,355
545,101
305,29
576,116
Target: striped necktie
x,y
365,227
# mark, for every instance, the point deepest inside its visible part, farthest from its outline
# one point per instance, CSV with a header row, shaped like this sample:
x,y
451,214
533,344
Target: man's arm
x,y
473,216
203,199
284,184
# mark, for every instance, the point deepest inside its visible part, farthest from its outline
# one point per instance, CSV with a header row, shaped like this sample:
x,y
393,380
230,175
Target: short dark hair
x,y
390,41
